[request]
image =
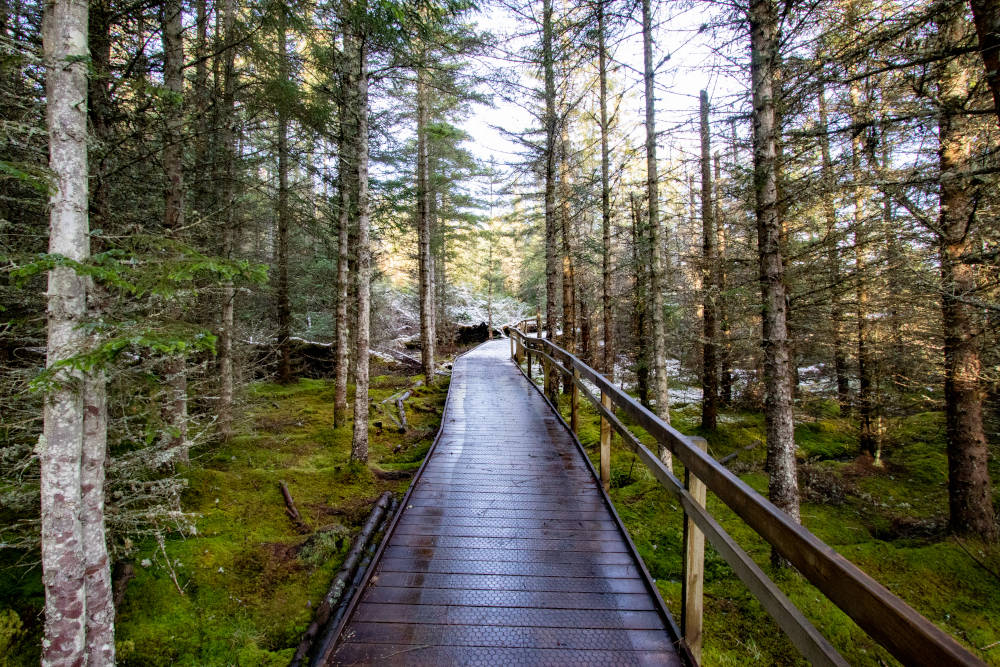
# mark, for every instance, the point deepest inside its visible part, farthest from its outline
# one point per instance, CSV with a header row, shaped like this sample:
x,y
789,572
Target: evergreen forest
x,y
244,245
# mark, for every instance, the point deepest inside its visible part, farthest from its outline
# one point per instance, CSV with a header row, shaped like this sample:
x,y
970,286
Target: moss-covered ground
x,y
250,578
889,519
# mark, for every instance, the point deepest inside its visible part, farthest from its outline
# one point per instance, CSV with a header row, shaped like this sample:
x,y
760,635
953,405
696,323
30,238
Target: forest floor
x,y
890,520
250,579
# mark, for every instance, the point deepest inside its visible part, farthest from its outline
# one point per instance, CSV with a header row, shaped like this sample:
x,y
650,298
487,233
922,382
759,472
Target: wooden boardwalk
x,y
506,551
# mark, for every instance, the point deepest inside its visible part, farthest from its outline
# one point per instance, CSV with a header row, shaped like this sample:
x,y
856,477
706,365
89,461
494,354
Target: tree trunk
x,y
346,154
176,409
639,253
568,270
284,307
227,142
986,14
551,227
100,602
969,488
608,357
359,443
868,433
65,547
833,259
724,349
710,289
427,337
656,256
782,483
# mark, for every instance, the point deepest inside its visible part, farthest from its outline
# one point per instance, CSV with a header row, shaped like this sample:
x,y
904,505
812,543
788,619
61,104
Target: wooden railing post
x,y
538,324
545,374
605,444
694,564
513,350
574,400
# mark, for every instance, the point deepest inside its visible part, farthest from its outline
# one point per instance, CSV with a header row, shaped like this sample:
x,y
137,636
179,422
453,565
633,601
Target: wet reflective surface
x,y
505,553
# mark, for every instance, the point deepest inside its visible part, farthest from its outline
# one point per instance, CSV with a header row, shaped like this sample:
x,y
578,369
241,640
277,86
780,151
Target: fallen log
x,y
347,573
402,411
291,510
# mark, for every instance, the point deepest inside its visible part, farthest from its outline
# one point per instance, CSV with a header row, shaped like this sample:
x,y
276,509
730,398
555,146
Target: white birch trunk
x,y
64,33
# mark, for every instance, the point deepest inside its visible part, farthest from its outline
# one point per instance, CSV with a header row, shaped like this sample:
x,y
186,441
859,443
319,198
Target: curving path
x,y
506,552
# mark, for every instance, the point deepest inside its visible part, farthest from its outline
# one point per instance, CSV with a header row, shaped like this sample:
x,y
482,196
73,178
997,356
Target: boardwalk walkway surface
x,y
506,552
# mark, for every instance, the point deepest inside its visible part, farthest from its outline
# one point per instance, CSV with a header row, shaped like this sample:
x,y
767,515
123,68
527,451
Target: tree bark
x,y
568,270
986,14
346,154
969,488
782,483
227,141
427,337
639,253
176,409
65,547
608,356
662,393
710,289
281,288
100,601
551,227
359,443
724,347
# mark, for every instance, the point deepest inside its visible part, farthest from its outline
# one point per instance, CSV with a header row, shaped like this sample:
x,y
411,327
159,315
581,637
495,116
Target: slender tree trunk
x,y
969,488
176,410
782,484
986,14
71,517
656,256
551,227
346,154
568,270
281,288
441,326
725,352
227,142
868,434
639,253
608,357
359,443
710,289
427,338
833,260
551,223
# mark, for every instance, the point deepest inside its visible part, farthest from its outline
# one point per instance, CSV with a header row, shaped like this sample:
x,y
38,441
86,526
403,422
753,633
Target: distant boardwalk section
x,y
506,553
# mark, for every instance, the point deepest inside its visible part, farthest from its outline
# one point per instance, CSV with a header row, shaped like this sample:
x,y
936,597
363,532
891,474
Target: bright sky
x,y
679,80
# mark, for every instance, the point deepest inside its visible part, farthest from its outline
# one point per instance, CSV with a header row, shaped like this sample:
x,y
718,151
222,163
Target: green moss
x,y
889,522
251,580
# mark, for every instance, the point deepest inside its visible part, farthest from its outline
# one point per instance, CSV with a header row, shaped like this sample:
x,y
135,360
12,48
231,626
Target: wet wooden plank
x,y
506,551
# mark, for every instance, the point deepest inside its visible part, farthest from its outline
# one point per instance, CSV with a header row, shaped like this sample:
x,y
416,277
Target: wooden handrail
x,y
908,635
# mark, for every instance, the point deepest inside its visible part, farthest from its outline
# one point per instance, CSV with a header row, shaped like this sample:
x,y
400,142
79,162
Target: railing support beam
x,y
574,400
605,443
693,584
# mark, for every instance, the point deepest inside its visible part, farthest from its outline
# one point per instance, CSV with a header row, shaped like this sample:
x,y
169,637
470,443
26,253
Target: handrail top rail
x,y
889,620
